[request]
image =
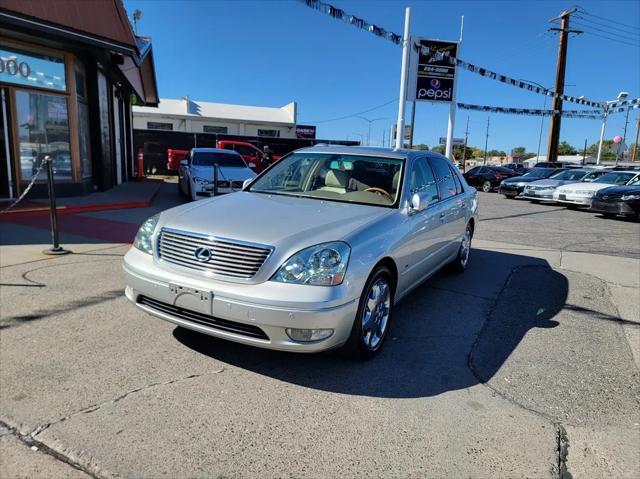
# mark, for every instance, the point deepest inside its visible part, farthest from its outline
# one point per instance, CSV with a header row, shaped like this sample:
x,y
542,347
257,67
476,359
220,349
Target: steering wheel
x,y
379,190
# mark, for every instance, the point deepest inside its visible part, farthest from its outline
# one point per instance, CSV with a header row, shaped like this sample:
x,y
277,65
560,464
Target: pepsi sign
x,y
436,70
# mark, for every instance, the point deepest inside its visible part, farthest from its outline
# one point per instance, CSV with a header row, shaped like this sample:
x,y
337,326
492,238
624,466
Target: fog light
x,y
308,335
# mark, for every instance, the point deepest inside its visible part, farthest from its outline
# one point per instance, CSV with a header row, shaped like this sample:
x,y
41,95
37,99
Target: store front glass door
x,y
5,162
43,130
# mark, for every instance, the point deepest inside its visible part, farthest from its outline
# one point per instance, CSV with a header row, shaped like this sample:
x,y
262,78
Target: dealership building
x,y
191,116
69,73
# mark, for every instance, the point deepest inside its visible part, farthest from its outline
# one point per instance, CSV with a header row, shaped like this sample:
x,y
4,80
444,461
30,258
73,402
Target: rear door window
x,y
459,188
444,178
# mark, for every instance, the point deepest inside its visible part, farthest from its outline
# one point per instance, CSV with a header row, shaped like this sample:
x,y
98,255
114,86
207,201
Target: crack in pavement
x,y
562,471
95,407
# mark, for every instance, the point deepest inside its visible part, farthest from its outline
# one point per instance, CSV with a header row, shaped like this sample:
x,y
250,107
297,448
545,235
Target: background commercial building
x,y
190,116
69,73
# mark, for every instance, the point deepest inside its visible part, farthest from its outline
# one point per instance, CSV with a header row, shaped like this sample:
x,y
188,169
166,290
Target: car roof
x,y
633,172
368,151
212,150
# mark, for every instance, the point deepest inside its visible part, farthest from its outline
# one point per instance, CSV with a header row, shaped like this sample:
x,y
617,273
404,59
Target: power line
x,y
609,32
582,10
585,19
613,39
354,114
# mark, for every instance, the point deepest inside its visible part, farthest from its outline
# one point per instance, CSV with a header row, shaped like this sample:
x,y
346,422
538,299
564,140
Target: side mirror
x,y
184,163
246,183
251,165
419,202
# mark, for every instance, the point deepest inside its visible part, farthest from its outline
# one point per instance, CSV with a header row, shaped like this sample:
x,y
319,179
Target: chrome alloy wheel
x,y
465,247
375,315
486,186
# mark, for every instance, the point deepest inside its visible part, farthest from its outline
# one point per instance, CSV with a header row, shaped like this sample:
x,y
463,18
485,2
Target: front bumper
x,y
615,207
510,190
572,199
236,304
539,195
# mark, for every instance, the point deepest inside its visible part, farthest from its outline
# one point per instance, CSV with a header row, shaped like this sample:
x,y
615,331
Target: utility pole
x,y
624,135
404,73
584,152
486,142
635,143
556,116
464,148
413,120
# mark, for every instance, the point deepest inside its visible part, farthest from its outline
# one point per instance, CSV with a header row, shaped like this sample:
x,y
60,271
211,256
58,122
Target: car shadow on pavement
x,y
447,335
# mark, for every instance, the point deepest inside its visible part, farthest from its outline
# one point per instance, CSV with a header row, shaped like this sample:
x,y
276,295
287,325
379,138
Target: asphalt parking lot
x,y
525,366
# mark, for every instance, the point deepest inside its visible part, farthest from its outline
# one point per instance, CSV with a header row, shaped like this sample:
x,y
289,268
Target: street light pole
x,y
369,129
544,107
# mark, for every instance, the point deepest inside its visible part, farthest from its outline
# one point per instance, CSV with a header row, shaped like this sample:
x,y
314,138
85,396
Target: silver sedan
x,y
312,255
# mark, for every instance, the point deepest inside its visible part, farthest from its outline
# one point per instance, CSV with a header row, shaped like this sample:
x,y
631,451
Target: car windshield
x,y
338,177
569,175
540,172
615,178
208,158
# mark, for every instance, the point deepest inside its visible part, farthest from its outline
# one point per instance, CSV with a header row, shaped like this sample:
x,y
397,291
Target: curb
x,y
44,210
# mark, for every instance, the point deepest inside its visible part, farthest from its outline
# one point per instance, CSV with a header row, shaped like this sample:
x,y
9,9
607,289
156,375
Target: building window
x,y
32,70
43,130
214,129
272,133
83,120
155,125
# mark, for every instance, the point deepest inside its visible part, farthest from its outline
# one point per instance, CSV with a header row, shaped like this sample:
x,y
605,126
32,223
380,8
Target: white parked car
x,y
311,255
195,175
580,194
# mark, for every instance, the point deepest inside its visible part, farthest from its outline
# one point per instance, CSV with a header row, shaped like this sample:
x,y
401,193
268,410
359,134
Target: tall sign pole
x,y
452,106
556,116
403,78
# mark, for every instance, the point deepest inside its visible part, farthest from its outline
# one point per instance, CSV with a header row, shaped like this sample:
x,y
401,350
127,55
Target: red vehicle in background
x,y
249,153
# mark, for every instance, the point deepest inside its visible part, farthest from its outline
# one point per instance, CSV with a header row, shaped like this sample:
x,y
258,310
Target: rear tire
x,y
373,319
459,265
486,186
509,197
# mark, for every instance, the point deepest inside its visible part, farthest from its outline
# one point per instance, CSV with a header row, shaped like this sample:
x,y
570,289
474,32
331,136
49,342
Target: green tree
x,y
438,149
607,151
420,146
518,152
565,148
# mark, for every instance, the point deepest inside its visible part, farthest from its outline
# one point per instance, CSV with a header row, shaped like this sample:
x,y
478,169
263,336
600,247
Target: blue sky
x,y
269,53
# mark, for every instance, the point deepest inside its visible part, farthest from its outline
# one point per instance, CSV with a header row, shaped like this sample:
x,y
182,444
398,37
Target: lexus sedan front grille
x,y
203,319
209,254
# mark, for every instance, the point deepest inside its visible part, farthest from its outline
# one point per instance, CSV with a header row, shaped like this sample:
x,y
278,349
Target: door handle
x,y
442,217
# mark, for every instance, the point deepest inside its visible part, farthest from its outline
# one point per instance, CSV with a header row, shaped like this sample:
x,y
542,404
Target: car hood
x,y
549,182
621,190
286,223
224,173
583,186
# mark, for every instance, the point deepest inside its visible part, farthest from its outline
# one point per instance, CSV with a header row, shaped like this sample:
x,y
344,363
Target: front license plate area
x,y
562,197
192,299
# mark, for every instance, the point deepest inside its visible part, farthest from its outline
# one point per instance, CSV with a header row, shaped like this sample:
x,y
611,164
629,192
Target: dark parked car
x,y
487,178
618,200
518,168
548,164
512,187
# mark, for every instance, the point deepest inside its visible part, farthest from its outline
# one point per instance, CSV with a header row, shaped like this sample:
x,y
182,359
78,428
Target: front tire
x,y
486,186
374,315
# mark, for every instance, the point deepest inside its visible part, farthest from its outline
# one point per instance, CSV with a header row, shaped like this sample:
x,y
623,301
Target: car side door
x,y
453,206
472,176
424,243
183,172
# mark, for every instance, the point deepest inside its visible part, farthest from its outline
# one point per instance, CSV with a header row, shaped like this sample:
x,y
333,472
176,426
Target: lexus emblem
x,y
605,197
203,254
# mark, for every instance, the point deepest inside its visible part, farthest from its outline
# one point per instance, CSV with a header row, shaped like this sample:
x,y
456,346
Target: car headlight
x,y
201,181
323,264
521,183
145,235
635,196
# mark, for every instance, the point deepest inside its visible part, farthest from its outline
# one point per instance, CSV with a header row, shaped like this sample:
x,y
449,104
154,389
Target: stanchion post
x,y
53,214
